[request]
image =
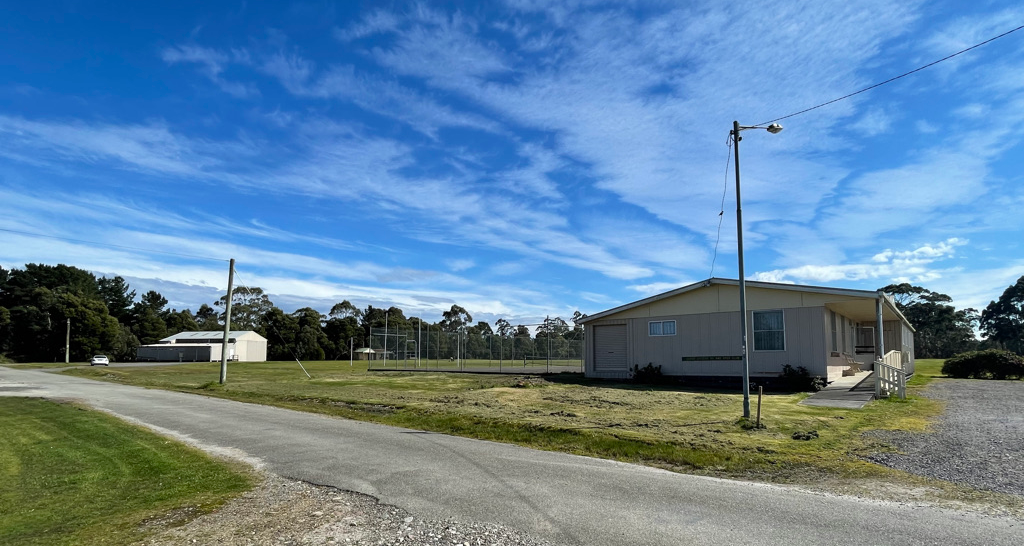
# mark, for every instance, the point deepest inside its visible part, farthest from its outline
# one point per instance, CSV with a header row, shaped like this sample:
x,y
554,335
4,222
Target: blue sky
x,y
521,159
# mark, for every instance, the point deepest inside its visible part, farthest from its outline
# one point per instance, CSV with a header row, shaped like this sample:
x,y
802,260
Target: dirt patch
x,y
283,511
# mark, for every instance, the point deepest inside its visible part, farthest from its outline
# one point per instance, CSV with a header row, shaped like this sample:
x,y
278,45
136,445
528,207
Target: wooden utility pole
x,y
227,325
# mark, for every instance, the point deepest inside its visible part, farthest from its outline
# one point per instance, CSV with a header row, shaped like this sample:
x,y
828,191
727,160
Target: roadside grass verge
x,y
687,430
69,475
43,365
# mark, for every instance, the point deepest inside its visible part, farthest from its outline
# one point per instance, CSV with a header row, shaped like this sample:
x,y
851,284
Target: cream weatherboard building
x,y
694,331
243,346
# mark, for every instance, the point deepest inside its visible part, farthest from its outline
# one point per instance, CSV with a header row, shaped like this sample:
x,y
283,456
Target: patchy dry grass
x,y
695,431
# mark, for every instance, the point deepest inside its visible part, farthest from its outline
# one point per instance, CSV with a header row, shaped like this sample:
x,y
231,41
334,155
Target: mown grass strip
x,y
74,476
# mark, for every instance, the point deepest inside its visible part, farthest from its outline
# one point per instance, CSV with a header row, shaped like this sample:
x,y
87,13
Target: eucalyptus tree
x,y
1002,321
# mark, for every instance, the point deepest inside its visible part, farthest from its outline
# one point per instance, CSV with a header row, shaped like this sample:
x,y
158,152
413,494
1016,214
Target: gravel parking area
x,y
288,512
978,440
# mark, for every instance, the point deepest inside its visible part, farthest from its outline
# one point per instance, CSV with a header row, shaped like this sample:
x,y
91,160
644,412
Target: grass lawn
x,y
694,431
74,476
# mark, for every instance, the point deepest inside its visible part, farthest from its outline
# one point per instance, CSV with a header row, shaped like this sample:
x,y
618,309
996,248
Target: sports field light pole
x,y
227,325
774,128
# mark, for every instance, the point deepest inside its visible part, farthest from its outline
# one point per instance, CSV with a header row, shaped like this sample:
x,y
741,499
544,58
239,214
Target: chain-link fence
x,y
463,350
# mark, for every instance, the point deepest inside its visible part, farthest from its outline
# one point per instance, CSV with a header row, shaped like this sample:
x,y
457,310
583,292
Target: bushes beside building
x,y
990,364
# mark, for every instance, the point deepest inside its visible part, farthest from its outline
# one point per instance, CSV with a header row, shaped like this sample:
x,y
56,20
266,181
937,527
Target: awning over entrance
x,y
865,310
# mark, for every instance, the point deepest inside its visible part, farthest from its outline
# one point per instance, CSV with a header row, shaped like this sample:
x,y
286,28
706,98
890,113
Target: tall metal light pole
x,y
736,128
67,344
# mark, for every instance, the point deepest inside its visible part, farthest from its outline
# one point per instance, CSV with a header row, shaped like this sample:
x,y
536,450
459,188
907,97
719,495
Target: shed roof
x,y
209,334
866,294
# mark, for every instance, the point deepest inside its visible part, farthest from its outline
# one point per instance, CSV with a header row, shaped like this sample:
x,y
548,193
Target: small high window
x,y
661,328
769,331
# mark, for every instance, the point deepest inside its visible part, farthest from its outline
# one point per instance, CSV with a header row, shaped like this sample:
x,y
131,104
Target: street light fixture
x,y
774,128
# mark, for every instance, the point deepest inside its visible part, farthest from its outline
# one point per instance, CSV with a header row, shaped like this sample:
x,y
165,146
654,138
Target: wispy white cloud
x,y
578,136
874,122
653,288
460,264
376,22
898,266
654,150
213,63
151,148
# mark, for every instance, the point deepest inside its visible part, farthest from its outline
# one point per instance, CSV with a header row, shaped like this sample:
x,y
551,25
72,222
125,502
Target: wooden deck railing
x,y
890,377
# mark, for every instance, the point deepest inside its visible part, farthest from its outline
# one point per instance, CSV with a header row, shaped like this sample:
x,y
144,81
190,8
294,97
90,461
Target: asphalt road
x,y
564,498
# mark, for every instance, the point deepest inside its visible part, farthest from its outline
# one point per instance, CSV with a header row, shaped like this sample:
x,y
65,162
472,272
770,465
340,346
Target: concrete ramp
x,y
853,392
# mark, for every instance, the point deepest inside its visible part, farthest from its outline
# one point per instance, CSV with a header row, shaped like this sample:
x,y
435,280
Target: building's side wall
x,y
717,335
253,350
708,317
908,348
899,337
173,352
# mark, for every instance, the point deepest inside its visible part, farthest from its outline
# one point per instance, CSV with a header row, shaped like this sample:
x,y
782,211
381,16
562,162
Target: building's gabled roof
x,y
750,284
209,334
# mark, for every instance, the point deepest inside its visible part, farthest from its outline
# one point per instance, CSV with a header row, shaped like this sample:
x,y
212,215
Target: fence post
x,y
878,379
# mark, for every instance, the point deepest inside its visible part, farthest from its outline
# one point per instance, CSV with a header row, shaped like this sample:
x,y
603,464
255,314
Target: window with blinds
x,y
769,331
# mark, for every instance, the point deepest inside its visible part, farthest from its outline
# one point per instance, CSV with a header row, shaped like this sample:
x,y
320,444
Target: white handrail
x,y
890,378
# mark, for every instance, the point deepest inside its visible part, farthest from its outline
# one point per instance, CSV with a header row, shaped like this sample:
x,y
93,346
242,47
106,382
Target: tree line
x,y
942,331
109,317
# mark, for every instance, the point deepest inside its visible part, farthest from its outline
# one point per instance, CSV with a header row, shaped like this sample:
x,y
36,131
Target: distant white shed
x,y
243,346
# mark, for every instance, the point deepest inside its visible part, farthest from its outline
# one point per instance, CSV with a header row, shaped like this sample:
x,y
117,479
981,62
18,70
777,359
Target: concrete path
x,y
852,392
564,498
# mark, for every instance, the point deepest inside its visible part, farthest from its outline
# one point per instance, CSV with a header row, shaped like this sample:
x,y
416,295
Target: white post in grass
x,y
385,339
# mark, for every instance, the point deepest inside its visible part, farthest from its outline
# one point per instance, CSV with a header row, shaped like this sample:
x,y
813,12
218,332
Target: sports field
x,y
528,365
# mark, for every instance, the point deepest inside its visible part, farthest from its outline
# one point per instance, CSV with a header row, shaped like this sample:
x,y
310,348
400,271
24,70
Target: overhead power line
x,y
721,212
123,247
890,80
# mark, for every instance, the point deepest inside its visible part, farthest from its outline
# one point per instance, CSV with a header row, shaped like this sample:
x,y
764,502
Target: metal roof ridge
x,y
735,282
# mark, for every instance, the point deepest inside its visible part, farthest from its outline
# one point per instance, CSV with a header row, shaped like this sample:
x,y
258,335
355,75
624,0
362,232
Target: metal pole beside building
x,y
879,304
742,278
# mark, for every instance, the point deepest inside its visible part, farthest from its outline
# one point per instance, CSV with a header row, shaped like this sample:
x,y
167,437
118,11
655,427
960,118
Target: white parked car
x,y
99,360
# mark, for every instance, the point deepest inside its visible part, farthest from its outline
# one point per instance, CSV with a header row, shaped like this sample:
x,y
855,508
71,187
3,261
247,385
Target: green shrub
x,y
649,374
990,364
799,379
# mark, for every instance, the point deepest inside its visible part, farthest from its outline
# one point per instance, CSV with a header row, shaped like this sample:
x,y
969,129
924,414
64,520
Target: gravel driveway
x,y
977,441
